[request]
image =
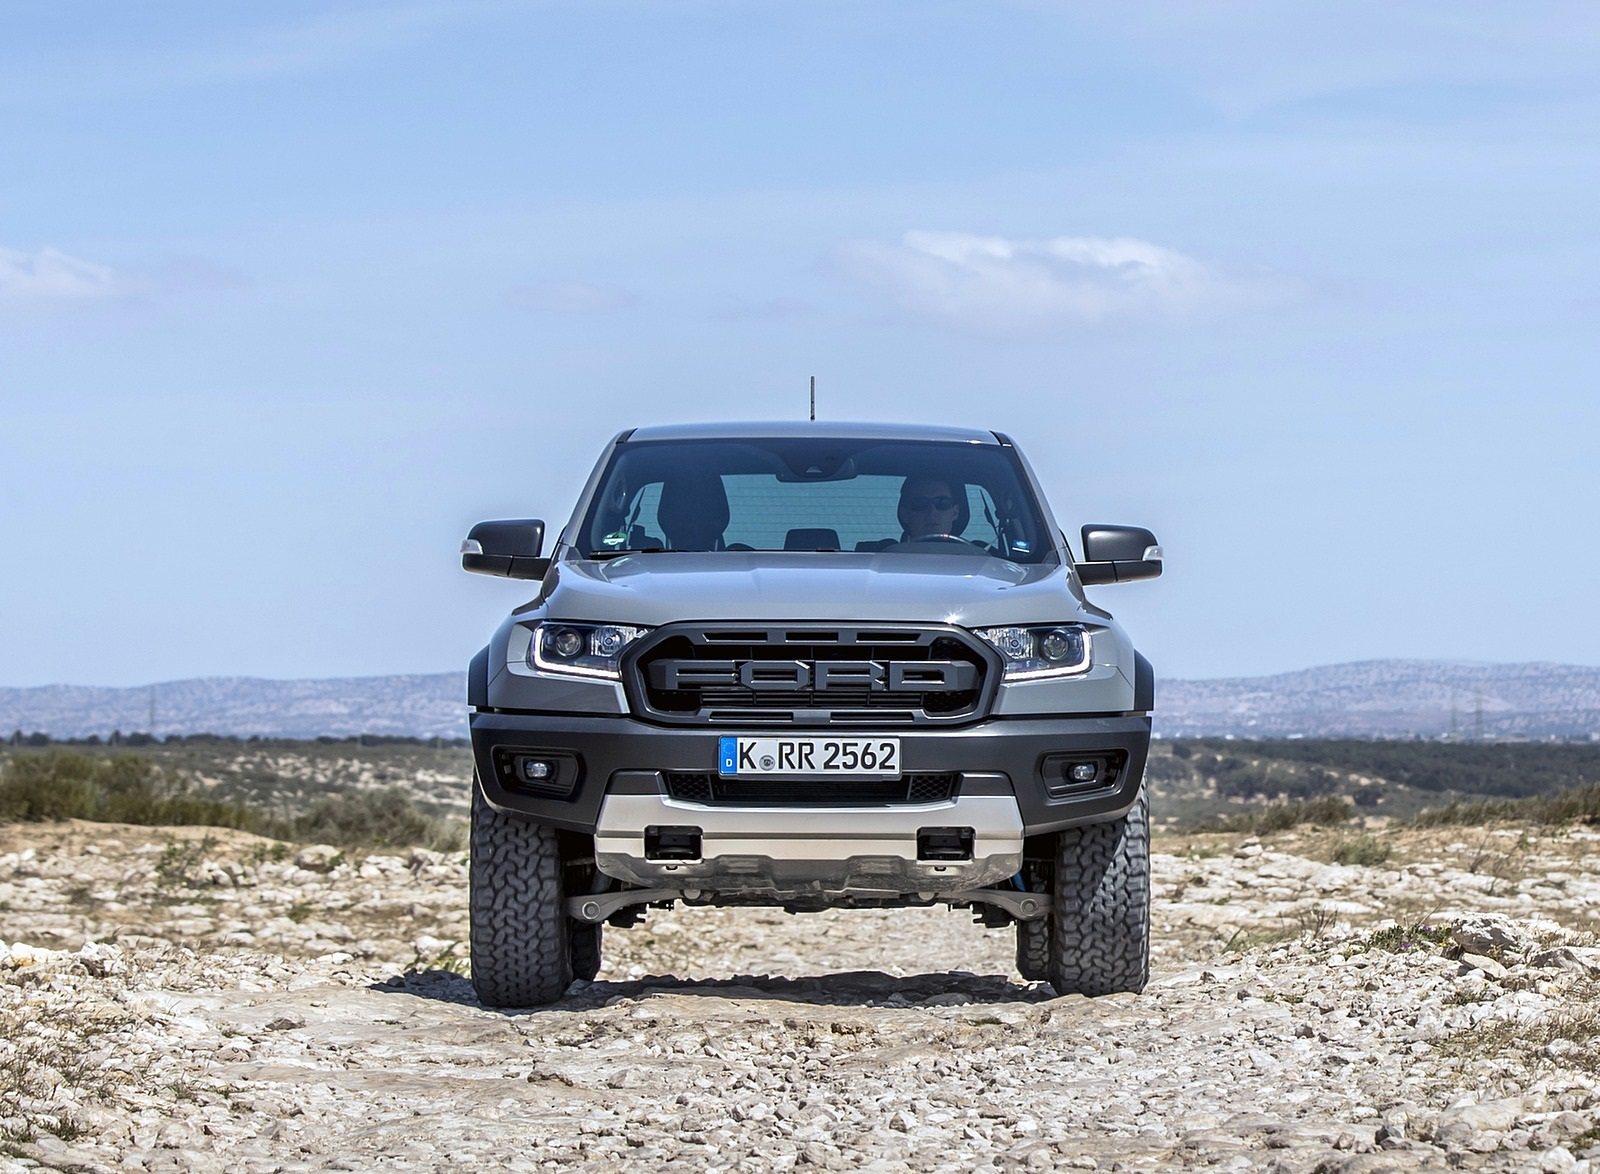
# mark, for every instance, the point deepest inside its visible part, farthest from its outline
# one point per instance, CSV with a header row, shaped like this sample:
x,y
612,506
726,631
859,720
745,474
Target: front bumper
x,y
1001,758
810,850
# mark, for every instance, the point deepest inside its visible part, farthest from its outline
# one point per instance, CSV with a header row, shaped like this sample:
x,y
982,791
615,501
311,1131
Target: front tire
x,y
1033,949
1099,937
583,943
519,933
1033,937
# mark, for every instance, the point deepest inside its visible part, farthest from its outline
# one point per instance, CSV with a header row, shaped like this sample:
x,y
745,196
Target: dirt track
x,y
337,1036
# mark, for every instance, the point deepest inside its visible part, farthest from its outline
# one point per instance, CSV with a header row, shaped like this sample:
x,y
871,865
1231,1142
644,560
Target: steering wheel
x,y
938,538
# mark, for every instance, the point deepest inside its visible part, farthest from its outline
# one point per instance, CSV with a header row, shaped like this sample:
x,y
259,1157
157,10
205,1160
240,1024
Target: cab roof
x,y
807,429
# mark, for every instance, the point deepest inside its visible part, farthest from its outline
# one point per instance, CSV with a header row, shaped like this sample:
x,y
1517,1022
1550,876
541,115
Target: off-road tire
x,y
1033,949
1099,941
520,932
1033,937
583,944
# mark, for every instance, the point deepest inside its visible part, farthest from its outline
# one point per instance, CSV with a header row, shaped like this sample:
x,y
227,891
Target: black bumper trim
x,y
1011,747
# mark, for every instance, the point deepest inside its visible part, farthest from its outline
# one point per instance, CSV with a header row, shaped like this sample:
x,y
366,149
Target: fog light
x,y
548,774
1068,775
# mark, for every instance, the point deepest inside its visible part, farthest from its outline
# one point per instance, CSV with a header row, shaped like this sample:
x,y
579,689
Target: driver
x,y
931,506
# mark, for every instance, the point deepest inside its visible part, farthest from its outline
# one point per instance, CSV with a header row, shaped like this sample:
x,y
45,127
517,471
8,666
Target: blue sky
x,y
292,294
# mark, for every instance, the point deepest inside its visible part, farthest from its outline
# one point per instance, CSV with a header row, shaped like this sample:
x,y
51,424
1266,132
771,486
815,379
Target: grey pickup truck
x,y
809,666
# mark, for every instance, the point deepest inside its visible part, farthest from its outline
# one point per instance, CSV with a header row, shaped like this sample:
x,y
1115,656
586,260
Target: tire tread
x,y
521,952
1099,939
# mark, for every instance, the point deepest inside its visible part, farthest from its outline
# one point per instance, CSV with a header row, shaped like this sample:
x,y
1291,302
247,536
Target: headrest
x,y
811,538
693,511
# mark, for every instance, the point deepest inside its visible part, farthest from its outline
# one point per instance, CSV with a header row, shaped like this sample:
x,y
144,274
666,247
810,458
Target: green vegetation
x,y
1569,806
137,741
385,818
283,776
180,862
1478,768
445,958
125,788
1574,1036
1401,939
56,784
1324,811
1365,849
1238,785
38,1062
1243,940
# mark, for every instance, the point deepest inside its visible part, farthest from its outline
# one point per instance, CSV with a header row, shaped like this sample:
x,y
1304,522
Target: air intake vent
x,y
716,791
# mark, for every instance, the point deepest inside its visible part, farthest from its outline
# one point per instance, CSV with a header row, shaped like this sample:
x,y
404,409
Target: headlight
x,y
1056,650
581,650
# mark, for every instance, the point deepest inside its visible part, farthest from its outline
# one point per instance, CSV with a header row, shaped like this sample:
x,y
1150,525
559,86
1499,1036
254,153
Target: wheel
x,y
1099,936
937,538
1033,949
520,933
583,945
1033,937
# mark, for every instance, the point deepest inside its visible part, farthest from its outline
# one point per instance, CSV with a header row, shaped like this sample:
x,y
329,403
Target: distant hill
x,y
1366,699
1389,699
423,705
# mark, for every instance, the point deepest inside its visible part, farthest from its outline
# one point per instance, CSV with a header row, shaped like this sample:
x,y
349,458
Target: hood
x,y
662,588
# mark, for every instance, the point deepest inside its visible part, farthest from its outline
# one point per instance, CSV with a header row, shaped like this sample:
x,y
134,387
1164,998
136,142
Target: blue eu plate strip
x,y
728,754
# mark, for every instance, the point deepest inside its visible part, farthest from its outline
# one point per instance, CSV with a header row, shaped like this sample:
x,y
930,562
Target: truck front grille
x,y
714,790
810,675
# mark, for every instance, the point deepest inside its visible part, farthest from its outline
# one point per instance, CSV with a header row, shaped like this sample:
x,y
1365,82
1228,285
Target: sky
x,y
292,294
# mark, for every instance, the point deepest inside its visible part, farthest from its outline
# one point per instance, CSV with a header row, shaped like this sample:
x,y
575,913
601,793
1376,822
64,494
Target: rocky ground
x,y
185,1000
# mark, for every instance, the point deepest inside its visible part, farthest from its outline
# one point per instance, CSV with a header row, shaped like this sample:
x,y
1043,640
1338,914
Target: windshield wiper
x,y
602,555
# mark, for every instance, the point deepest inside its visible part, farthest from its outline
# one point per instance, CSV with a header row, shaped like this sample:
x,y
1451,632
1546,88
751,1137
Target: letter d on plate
x,y
728,755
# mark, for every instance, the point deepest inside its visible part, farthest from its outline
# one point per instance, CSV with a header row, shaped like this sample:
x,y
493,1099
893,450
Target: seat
x,y
693,511
811,538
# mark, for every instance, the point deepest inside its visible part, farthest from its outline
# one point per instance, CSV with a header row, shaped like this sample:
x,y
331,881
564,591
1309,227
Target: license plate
x,y
862,758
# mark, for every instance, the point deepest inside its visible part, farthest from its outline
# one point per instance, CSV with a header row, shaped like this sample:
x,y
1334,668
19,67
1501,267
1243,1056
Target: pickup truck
x,y
809,666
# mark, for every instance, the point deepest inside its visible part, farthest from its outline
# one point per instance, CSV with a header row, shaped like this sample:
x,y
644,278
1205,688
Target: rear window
x,y
805,495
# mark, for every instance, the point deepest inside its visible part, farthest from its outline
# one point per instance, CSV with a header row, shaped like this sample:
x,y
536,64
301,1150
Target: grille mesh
x,y
704,787
669,677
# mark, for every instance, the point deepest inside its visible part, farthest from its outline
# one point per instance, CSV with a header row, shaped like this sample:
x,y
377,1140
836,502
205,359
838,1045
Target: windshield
x,y
815,495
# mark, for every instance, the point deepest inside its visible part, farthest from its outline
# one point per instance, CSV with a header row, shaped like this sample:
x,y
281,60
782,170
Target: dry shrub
x,y
125,788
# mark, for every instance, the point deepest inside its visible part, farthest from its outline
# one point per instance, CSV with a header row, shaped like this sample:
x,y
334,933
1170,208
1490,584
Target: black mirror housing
x,y
1118,554
510,549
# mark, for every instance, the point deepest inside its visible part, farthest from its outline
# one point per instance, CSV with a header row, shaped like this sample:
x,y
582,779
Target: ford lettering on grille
x,y
923,676
810,674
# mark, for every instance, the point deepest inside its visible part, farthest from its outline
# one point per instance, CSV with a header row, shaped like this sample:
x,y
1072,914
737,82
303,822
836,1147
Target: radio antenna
x,y
813,399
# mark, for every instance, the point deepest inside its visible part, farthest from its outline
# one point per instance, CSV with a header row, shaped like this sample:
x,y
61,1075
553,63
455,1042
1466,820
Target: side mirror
x,y
508,549
1118,554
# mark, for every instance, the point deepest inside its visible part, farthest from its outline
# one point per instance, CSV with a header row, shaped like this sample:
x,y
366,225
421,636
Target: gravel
x,y
181,1000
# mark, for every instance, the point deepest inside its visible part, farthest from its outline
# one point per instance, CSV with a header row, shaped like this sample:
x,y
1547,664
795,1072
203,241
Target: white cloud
x,y
50,277
995,286
574,297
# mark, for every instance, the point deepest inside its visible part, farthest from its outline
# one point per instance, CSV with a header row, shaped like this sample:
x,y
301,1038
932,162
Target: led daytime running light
x,y
1054,650
581,650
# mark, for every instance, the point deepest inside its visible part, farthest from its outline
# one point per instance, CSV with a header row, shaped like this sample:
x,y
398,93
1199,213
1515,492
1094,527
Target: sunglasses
x,y
918,505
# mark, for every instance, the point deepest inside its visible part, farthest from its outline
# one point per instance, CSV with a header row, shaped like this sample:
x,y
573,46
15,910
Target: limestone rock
x,y
309,1014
